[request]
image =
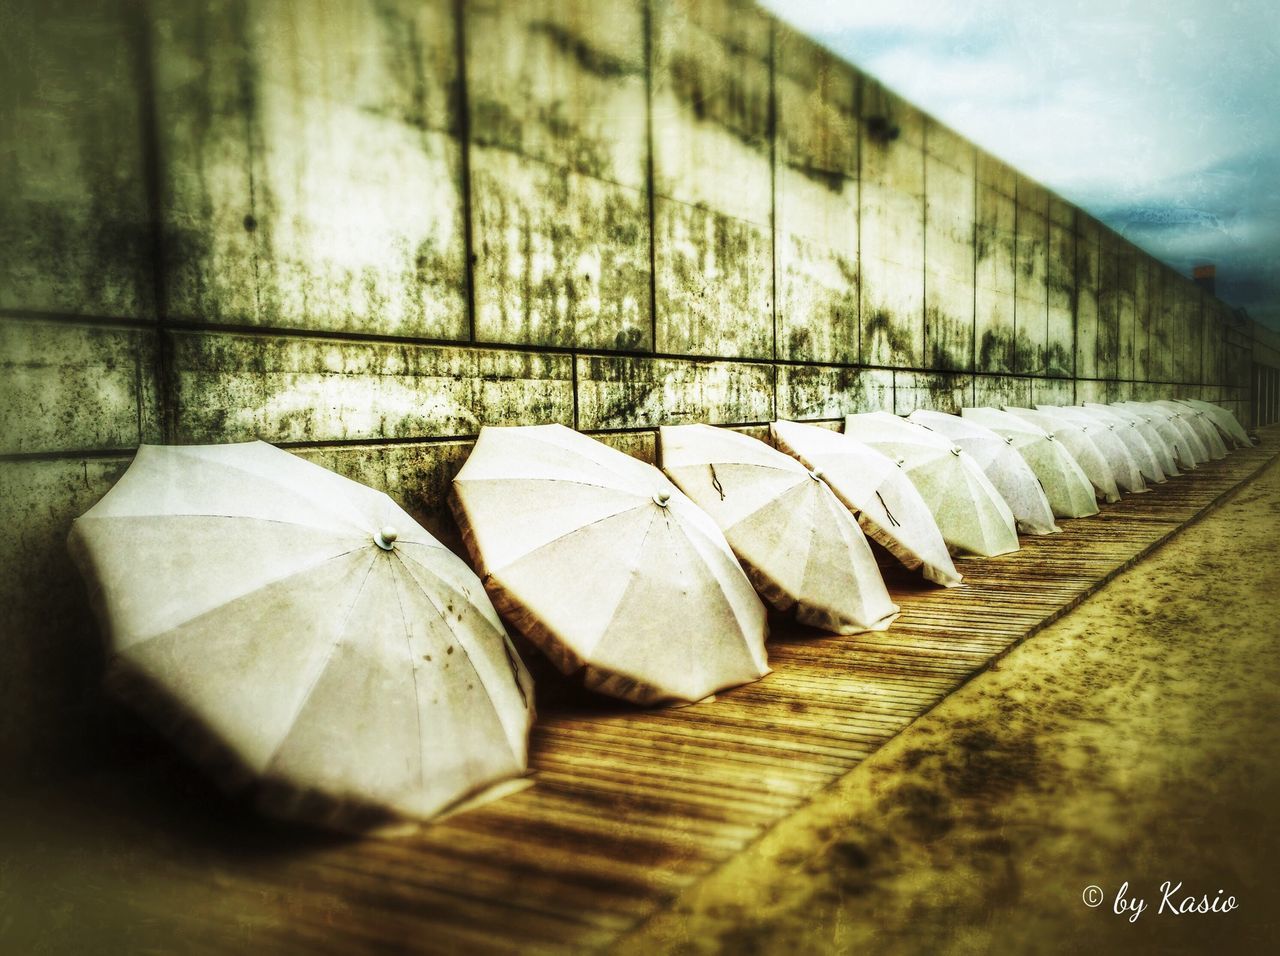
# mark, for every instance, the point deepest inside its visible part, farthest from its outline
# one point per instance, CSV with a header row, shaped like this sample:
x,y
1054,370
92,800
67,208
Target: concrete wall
x,y
365,228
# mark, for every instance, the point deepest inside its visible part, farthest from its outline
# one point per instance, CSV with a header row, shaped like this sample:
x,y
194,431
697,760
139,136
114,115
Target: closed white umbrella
x,y
1159,433
970,512
1001,463
882,498
1187,448
1128,431
1080,446
607,567
303,629
1068,489
798,543
1123,465
1223,420
1200,423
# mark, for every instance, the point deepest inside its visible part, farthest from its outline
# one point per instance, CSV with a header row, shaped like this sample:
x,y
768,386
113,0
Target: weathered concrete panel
x,y
711,106
891,224
996,391
75,226
627,392
75,387
995,280
714,283
816,197
1031,298
1126,323
311,172
285,389
1087,268
949,254
996,175
1160,294
1094,390
563,83
939,391
1108,345
1053,391
817,391
50,662
1060,282
560,258
1141,317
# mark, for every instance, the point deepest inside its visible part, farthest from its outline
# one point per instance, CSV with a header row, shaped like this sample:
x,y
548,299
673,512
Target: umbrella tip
x,y
661,498
955,450
816,475
386,537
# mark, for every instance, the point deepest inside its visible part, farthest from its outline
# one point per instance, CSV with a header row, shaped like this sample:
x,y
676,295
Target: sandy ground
x,y
1133,741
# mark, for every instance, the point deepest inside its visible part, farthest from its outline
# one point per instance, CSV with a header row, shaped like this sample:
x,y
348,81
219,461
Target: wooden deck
x,y
631,806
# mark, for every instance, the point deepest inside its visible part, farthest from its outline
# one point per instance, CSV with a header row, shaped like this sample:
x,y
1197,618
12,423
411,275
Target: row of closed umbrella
x,y
302,632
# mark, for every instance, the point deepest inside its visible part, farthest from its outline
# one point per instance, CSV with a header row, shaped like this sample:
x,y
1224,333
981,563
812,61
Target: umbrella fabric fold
x,y
1160,435
1003,466
1227,424
1199,423
970,512
1127,430
1068,489
607,567
303,633
882,498
1123,465
799,545
1080,446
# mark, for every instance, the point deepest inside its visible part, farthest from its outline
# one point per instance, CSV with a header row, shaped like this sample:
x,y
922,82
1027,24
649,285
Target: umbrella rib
x,y
325,666
413,670
445,620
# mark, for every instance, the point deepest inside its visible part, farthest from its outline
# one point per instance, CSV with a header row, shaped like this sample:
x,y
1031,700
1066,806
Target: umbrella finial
x,y
816,475
386,537
661,498
955,450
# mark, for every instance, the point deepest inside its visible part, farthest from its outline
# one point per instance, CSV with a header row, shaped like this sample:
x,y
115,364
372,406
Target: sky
x,y
1160,118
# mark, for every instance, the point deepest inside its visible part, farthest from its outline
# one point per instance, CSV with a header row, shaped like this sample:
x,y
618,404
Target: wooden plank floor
x,y
630,806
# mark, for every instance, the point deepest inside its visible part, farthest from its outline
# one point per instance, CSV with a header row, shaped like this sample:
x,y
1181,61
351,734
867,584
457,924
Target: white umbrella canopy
x,y
970,512
1067,487
1079,445
1124,467
1187,448
1006,469
1128,431
1201,424
1223,420
799,545
305,632
1160,434
607,567
882,498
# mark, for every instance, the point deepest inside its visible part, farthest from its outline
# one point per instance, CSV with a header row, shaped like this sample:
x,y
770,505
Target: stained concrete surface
x,y
1132,741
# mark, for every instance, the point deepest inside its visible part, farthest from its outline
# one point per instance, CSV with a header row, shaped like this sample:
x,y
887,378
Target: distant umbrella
x,y
1124,467
1001,463
878,492
970,512
1187,448
1223,420
1135,440
1068,489
607,567
1079,445
1200,423
797,542
1144,421
304,629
